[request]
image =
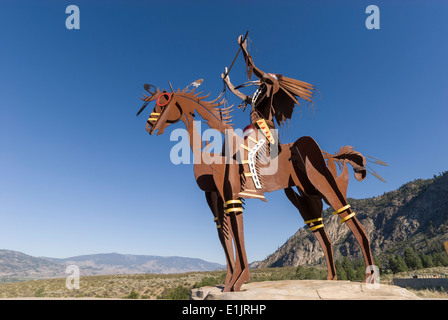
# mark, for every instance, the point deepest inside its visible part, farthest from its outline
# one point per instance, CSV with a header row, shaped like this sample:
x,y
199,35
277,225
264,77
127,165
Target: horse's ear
x,y
195,84
149,87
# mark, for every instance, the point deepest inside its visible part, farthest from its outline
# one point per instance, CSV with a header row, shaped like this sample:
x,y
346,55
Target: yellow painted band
x,y
152,119
154,114
218,226
248,174
234,210
245,147
245,162
216,219
252,139
316,227
251,195
351,215
342,209
313,220
232,201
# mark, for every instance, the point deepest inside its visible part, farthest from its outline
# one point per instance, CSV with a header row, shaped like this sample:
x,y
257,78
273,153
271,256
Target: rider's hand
x,y
242,43
242,106
224,75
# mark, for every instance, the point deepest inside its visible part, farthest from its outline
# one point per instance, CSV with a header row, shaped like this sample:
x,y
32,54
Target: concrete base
x,y
305,290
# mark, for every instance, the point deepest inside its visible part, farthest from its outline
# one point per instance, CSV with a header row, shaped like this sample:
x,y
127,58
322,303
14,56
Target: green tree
x,y
392,261
412,259
440,259
340,271
401,264
397,264
360,272
348,267
427,261
378,262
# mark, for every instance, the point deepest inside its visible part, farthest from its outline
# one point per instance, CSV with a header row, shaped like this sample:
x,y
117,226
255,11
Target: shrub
x,y
309,273
39,292
206,282
177,293
133,295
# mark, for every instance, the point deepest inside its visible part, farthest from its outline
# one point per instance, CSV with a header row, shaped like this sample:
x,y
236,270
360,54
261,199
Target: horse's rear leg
x,y
322,179
328,187
215,203
311,210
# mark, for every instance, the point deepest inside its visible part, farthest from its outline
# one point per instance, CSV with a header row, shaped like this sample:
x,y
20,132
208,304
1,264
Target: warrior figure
x,y
275,96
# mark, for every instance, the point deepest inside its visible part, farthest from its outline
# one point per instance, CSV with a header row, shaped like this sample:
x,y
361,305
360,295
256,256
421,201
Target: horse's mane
x,y
218,107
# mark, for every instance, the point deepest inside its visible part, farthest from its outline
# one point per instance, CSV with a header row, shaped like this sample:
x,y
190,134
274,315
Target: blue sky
x,y
80,175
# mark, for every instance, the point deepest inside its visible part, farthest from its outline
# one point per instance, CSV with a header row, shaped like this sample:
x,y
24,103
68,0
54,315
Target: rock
x,y
305,290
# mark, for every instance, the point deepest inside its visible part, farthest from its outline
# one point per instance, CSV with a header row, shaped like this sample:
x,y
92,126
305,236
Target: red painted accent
x,y
247,131
164,94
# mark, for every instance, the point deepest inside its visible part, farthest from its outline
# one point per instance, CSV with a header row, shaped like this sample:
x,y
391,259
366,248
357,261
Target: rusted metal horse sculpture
x,y
301,164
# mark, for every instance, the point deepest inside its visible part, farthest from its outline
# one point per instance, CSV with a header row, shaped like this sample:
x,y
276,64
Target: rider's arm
x,y
264,77
239,94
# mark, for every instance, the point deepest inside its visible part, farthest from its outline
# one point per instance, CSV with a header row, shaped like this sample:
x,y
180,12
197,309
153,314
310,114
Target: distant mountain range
x,y
16,265
415,215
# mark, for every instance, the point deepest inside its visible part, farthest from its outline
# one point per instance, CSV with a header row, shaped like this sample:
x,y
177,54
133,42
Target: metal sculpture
x,y
226,183
276,94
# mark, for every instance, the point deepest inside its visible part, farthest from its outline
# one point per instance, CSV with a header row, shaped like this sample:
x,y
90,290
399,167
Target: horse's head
x,y
172,106
166,111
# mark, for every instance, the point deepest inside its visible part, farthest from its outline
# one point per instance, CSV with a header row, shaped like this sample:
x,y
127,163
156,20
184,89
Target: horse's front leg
x,y
222,221
234,210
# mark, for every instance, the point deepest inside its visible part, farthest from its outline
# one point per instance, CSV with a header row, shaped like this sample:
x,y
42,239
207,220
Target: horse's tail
x,y
356,160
